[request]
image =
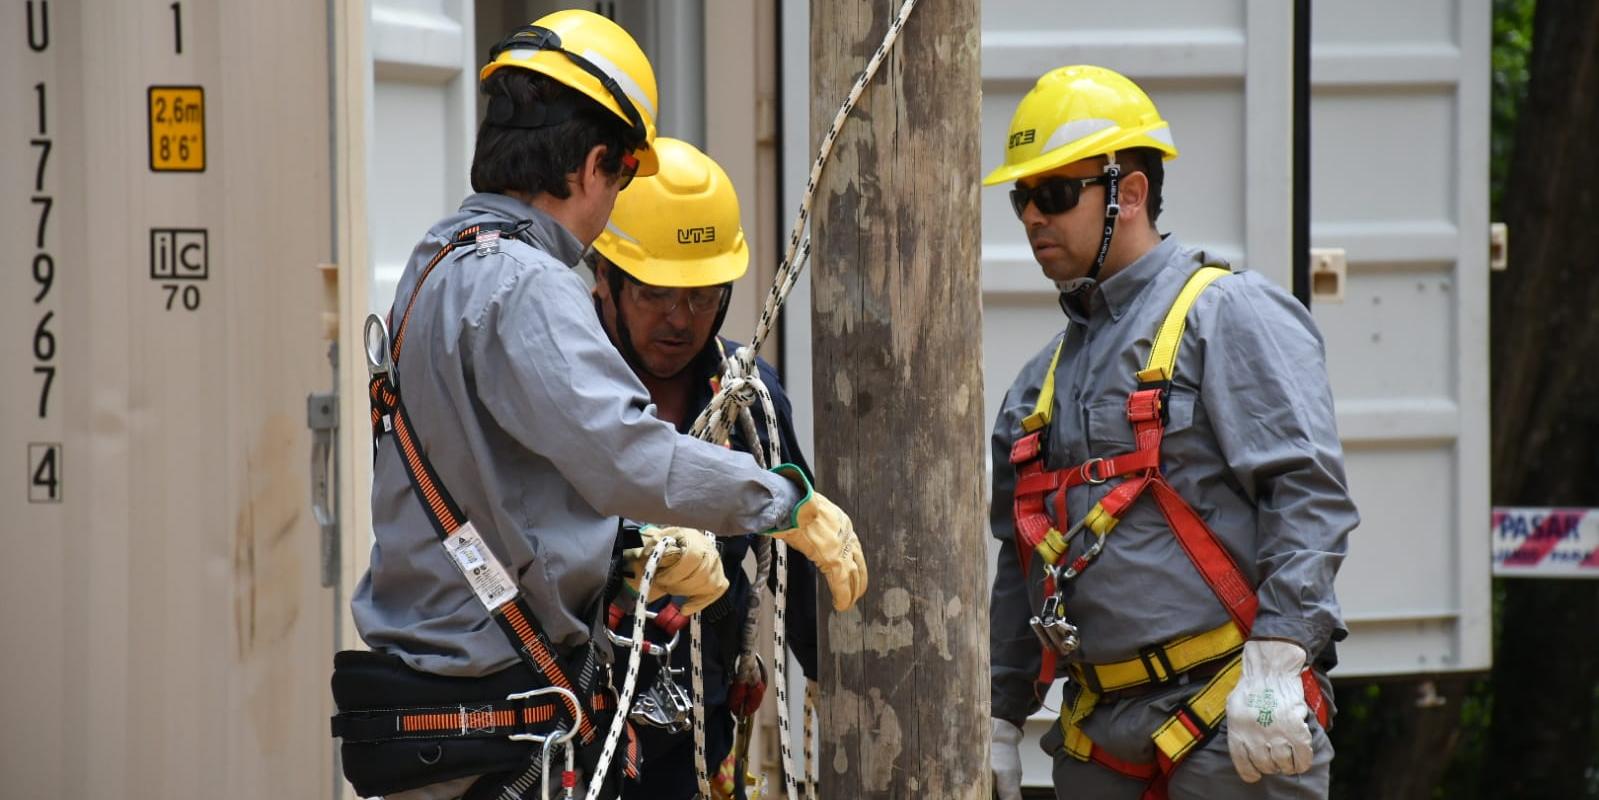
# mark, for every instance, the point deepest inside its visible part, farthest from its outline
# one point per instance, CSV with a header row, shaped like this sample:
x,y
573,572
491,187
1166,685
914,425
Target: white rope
x,y
629,683
810,741
741,386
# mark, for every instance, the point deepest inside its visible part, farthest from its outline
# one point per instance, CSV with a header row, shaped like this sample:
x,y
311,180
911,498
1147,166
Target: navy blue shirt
x,y
719,638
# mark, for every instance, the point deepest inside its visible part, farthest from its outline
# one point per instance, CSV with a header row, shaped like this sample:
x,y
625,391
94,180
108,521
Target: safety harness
x,y
519,715
1216,652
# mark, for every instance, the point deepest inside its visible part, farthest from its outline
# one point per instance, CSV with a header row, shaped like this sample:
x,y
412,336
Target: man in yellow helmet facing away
x,y
1168,486
511,437
664,268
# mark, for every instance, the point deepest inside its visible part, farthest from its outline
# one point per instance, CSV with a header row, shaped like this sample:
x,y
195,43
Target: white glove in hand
x,y
1005,759
1266,729
690,568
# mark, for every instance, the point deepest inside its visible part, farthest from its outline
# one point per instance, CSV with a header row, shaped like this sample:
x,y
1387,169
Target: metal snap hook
x,y
378,359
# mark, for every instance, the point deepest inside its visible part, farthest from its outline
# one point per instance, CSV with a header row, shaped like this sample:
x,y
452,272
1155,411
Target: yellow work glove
x,y
690,568
824,534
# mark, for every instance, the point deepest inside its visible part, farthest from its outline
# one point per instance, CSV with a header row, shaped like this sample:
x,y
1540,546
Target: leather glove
x,y
690,568
823,533
1005,759
1266,729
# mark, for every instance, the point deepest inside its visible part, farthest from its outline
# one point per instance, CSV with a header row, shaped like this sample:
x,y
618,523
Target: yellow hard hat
x,y
1079,112
593,55
679,227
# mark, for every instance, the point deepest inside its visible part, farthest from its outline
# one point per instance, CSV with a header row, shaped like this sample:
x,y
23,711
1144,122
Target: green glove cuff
x,y
797,475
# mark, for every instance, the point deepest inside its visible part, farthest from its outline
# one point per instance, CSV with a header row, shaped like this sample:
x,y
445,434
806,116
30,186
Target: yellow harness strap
x,y
1163,662
1178,735
1162,364
1044,408
1078,744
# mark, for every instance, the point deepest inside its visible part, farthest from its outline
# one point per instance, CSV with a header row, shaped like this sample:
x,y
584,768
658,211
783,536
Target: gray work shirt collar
x,y
543,232
1117,293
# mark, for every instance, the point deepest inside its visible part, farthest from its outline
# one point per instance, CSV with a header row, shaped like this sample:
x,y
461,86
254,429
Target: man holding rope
x,y
511,436
664,268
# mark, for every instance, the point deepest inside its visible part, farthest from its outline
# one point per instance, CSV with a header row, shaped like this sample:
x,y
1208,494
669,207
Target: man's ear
x,y
1133,193
591,176
602,279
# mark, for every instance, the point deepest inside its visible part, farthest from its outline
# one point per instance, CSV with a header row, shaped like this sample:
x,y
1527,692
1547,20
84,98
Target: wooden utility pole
x,y
897,320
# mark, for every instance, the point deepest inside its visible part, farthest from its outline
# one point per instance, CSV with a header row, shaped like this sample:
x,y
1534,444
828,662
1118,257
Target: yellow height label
x,y
177,129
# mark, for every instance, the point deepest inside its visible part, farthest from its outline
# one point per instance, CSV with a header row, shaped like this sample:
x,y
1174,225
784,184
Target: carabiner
x,y
379,361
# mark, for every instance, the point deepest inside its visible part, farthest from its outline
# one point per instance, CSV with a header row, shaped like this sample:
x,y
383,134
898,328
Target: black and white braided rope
x,y
630,681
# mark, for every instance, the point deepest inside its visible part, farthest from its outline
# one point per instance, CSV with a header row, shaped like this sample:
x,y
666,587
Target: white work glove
x,y
1005,759
690,568
1266,729
823,533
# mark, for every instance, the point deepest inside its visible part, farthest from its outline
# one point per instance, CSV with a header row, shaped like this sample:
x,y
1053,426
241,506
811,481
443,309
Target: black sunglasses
x,y
1054,196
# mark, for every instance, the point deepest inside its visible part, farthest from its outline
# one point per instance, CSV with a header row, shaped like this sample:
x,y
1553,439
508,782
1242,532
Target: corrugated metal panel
x,y
423,126
1400,181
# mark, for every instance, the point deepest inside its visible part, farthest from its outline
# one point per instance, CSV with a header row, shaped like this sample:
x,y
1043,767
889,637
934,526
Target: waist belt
x,y
1161,664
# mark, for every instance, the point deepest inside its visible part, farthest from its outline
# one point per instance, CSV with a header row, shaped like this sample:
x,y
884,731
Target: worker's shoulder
x,y
1249,293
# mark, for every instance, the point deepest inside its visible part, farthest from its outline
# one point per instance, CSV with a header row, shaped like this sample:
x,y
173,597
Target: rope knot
x,y
741,378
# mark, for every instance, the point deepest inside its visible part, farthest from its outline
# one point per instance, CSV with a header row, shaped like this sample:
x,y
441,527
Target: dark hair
x,y
538,160
1149,161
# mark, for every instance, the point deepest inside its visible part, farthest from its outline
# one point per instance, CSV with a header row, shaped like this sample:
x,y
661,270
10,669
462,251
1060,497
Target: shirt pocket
x,y
1109,432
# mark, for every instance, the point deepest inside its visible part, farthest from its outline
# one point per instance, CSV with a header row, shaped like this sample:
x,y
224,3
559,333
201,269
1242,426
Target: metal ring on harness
x,y
559,736
381,364
1087,472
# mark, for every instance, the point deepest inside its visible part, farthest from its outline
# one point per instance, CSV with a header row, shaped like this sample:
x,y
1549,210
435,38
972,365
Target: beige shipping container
x,y
168,194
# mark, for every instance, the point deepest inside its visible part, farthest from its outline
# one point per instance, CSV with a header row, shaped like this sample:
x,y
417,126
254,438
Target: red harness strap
x,y
1146,413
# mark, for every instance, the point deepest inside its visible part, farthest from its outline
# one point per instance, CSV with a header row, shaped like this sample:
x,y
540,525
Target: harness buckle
x,y
1154,654
1090,474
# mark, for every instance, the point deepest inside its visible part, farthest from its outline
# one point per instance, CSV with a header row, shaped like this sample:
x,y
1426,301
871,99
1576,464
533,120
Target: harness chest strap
x,y
493,587
1146,412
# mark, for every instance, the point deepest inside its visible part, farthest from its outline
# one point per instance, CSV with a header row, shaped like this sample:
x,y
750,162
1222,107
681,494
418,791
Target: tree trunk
x,y
1546,409
899,396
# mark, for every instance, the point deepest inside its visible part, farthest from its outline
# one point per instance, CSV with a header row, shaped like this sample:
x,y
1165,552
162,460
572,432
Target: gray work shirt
x,y
1251,445
545,437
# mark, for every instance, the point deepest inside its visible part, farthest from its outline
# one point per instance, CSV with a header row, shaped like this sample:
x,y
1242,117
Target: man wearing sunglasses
x,y
664,268
511,437
1168,486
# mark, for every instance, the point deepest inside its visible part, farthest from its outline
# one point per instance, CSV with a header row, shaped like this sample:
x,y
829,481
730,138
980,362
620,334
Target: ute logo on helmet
x,y
696,235
1020,138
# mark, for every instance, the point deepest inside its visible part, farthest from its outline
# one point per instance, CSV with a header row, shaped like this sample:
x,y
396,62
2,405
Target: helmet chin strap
x,y
1113,209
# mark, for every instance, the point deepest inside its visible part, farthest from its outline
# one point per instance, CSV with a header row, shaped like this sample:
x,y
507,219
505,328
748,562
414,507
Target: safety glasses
x,y
1054,196
629,170
663,300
